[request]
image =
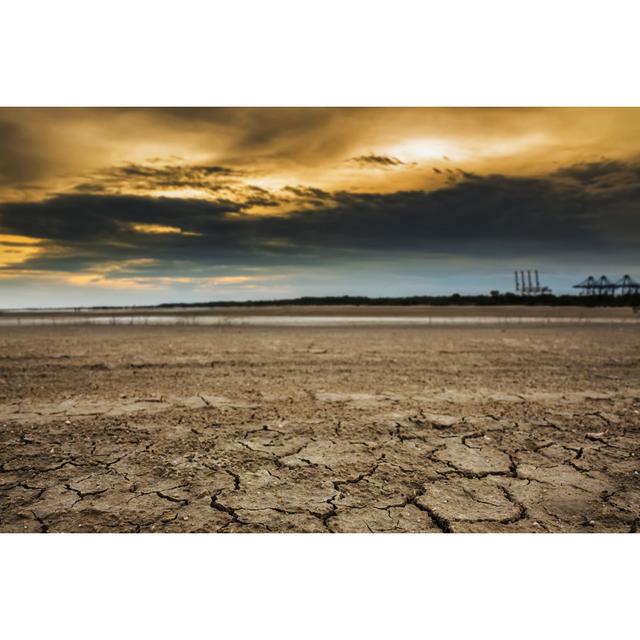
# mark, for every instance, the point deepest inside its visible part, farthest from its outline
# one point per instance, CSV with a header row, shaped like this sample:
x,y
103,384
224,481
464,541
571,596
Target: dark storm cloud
x,y
191,171
604,174
586,172
478,215
78,218
309,196
148,177
308,192
377,160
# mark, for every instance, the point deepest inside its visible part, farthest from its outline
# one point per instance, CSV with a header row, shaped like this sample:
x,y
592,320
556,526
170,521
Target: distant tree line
x,y
494,299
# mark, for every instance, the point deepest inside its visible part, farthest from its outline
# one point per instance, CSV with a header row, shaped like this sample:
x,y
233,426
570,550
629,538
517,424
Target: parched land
x,y
320,429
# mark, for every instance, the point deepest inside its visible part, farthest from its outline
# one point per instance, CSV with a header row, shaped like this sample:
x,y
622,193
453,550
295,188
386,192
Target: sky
x,y
125,206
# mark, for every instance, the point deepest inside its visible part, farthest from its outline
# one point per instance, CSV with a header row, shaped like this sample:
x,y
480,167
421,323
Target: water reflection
x,y
311,321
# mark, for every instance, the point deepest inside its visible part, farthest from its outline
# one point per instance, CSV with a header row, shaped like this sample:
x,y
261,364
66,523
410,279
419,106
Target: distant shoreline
x,y
388,311
450,305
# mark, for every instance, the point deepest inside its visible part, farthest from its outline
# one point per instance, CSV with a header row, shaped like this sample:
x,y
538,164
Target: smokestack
x,y
523,288
537,282
517,283
529,288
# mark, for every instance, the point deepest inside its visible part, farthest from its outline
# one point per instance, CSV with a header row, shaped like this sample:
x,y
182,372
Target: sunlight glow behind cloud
x,y
190,203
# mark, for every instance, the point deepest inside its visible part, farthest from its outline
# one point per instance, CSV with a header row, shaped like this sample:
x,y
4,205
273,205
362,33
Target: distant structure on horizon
x,y
526,287
602,286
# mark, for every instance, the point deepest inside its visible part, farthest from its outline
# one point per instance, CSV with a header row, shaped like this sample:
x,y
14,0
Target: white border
x,y
318,586
319,53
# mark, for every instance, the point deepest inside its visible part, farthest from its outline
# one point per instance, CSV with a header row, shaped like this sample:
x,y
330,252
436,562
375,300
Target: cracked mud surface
x,y
236,429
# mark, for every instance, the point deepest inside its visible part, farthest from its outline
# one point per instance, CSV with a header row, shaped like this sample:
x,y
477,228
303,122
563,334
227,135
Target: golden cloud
x,y
15,249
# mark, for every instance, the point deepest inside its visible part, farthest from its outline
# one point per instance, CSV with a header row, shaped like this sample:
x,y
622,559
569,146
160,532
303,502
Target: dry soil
x,y
320,429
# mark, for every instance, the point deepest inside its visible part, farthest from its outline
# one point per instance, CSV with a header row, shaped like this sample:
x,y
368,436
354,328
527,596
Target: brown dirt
x,y
347,429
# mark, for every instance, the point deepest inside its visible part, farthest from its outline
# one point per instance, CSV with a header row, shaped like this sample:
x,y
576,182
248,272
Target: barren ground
x,y
346,429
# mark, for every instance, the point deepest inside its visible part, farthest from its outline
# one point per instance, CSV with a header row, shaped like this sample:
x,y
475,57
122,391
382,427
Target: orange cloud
x,y
141,227
16,249
155,228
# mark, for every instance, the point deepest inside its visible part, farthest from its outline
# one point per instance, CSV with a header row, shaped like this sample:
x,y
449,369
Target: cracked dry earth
x,y
234,429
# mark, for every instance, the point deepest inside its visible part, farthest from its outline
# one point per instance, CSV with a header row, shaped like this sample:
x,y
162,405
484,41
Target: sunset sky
x,y
135,206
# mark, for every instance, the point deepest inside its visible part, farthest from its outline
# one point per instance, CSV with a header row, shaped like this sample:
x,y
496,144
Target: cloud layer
x,y
234,198
589,207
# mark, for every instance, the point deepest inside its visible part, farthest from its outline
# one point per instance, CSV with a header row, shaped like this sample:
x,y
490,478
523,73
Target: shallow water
x,y
310,321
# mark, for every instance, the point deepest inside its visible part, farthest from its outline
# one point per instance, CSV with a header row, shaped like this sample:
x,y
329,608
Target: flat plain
x,y
347,428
